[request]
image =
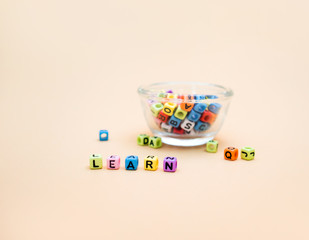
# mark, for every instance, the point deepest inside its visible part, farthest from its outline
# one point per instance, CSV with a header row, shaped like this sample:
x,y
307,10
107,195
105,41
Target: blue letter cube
x,y
201,126
214,107
131,162
174,121
194,116
103,135
200,107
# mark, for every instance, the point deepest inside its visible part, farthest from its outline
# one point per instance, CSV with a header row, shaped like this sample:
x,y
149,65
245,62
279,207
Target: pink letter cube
x,y
170,164
113,162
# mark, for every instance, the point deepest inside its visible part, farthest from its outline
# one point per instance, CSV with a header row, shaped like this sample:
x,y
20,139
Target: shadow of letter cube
x,y
170,164
131,162
103,135
212,146
231,153
155,142
151,163
142,139
247,153
113,162
95,161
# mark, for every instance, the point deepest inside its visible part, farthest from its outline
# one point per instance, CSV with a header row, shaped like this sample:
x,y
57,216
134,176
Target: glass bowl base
x,y
183,142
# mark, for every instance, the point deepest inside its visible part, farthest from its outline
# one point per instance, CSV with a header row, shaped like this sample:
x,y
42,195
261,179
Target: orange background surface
x,y
71,68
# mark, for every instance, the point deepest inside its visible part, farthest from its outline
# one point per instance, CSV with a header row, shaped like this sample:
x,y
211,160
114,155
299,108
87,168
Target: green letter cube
x,y
212,146
155,142
180,114
96,161
142,139
247,153
156,108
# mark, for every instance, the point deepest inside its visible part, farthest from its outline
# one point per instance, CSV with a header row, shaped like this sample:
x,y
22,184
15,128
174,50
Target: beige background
x,y
70,68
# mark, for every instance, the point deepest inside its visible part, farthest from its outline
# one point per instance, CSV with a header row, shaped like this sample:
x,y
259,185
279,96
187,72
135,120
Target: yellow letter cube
x,y
96,161
151,163
169,108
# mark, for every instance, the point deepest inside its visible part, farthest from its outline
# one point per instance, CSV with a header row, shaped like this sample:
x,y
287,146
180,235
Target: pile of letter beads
x,y
145,140
103,135
151,163
212,146
184,114
231,153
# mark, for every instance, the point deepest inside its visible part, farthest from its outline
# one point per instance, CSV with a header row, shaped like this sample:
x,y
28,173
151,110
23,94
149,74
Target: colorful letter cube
x,y
113,162
171,95
174,121
208,116
156,108
200,107
163,117
178,131
180,114
187,125
103,135
170,164
162,95
151,163
186,106
131,162
214,107
169,108
155,142
247,153
167,128
194,116
231,153
95,161
142,139
201,126
212,146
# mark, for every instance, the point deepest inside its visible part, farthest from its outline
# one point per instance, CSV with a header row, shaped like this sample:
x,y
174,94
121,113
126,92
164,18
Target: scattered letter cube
x,y
163,117
186,106
103,135
142,139
113,162
131,162
155,142
95,161
231,153
151,163
212,146
170,164
247,153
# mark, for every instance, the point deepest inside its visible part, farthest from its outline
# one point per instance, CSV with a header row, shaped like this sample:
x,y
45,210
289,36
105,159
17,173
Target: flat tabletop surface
x,y
71,68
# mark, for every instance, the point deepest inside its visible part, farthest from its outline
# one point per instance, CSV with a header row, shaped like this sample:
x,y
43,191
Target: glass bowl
x,y
185,113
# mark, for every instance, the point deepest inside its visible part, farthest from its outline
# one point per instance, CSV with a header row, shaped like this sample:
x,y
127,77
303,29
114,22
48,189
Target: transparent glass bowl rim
x,y
225,92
